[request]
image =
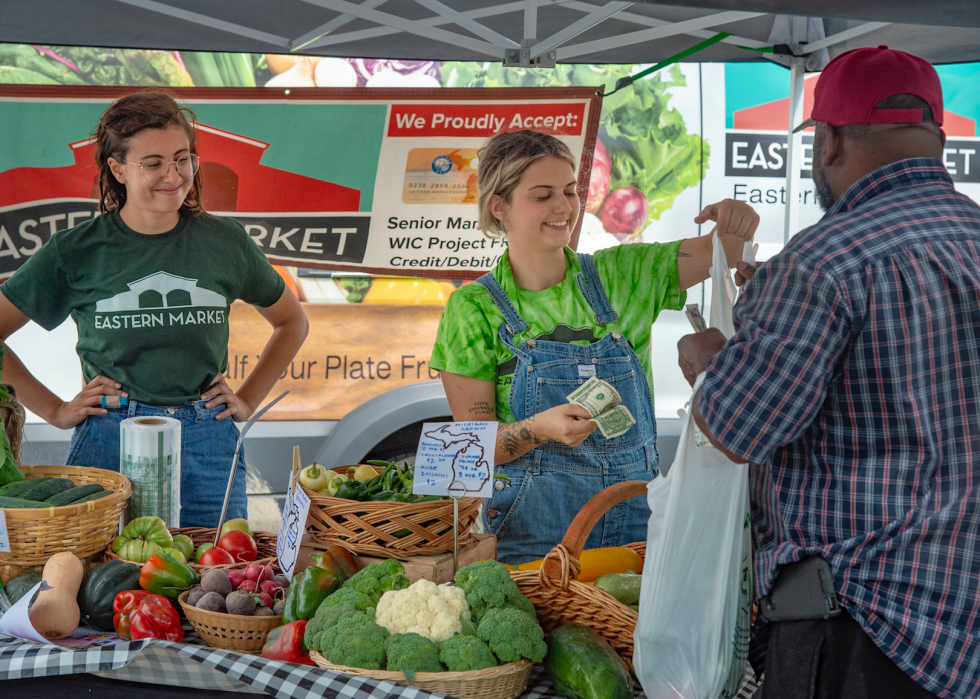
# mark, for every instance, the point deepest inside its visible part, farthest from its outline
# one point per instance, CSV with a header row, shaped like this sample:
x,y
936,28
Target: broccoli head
x,y
512,635
325,617
377,579
411,653
488,585
355,641
462,653
350,597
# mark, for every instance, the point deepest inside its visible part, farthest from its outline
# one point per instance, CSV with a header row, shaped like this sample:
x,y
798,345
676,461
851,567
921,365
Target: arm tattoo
x,y
481,408
516,436
684,254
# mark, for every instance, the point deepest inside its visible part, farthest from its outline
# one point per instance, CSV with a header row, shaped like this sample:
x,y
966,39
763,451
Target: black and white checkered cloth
x,y
194,664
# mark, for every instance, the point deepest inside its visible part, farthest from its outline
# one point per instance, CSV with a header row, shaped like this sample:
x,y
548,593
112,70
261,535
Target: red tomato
x,y
215,556
240,545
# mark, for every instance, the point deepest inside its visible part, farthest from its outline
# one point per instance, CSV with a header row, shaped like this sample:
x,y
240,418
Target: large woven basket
x,y
501,682
265,542
83,529
244,634
368,527
559,598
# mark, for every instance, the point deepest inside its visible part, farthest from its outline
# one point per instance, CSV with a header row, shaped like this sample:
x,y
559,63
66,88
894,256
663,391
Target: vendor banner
x,y
381,181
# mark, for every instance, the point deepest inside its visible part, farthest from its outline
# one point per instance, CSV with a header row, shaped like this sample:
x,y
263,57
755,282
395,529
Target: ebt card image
x,y
441,176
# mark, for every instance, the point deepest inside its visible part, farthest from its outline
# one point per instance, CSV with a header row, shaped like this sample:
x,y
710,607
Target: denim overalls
x,y
207,447
550,484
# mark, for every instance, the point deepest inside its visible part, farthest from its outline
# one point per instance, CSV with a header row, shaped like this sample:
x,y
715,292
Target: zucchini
x,y
45,490
582,665
17,503
625,587
73,495
12,490
18,587
93,496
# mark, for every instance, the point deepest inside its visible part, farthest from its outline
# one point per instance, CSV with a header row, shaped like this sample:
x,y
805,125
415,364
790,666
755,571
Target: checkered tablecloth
x,y
194,664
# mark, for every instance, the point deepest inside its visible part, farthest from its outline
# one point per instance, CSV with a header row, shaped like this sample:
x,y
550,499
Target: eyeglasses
x,y
155,169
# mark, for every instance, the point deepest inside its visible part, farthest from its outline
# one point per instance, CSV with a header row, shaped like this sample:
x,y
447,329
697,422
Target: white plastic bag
x,y
691,639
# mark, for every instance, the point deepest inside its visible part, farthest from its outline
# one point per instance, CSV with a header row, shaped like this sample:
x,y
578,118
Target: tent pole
x,y
794,150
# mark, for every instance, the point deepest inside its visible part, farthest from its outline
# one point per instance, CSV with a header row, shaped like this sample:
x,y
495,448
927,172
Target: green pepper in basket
x,y
308,590
352,490
165,575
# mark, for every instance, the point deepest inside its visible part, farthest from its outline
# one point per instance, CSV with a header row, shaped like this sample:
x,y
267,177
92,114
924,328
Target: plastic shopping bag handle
x,y
580,528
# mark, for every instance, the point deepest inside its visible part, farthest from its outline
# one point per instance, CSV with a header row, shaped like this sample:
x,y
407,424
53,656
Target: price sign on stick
x,y
293,523
457,453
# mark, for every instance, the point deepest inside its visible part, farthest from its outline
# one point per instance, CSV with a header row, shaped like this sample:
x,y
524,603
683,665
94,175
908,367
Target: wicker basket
x,y
366,527
265,542
83,529
501,682
560,599
244,634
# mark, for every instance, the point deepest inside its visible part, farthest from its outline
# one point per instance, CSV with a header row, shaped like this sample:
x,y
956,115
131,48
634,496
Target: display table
x,y
194,665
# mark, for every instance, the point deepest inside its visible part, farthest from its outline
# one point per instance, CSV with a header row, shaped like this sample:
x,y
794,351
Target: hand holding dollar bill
x,y
604,405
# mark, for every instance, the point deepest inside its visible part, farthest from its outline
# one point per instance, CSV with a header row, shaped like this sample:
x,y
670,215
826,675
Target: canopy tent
x,y
943,31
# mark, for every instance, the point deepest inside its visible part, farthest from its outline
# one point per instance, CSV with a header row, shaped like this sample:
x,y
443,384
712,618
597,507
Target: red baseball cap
x,y
853,83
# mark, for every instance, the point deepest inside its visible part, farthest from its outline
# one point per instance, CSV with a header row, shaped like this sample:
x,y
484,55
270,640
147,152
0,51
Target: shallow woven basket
x,y
501,682
367,527
84,529
559,598
244,634
264,541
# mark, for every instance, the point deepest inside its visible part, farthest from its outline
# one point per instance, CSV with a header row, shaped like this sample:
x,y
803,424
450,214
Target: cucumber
x,y
45,490
582,665
17,503
12,490
73,495
18,587
625,587
93,496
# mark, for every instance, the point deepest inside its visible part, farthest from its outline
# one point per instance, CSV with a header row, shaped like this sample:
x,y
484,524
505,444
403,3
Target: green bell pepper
x,y
352,490
307,591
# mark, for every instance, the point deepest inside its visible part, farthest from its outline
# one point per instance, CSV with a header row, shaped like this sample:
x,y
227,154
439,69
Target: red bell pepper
x,y
123,606
286,643
339,560
156,618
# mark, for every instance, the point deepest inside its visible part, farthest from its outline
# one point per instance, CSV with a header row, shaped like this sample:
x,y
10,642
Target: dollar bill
x,y
615,421
596,396
693,314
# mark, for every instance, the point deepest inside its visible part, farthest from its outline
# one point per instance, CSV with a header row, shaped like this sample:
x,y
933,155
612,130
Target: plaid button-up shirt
x,y
853,387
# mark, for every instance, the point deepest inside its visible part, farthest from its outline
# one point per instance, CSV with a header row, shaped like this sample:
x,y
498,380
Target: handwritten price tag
x,y
294,512
455,451
4,539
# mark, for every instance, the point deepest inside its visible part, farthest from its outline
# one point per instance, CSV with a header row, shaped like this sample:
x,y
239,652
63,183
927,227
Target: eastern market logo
x,y
285,213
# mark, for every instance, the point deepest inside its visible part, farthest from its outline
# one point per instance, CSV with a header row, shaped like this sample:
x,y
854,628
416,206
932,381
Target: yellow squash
x,y
598,562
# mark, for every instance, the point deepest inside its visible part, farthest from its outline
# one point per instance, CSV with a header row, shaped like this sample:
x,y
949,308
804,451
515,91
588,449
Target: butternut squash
x,y
55,614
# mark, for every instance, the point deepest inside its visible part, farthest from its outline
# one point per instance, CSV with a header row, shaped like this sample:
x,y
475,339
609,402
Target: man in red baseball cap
x,y
852,387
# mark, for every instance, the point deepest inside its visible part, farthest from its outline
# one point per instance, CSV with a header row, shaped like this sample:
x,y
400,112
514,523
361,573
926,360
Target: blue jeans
x,y
206,452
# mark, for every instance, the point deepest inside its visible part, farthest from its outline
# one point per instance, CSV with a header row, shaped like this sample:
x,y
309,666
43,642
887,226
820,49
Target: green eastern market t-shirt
x,y
640,281
151,310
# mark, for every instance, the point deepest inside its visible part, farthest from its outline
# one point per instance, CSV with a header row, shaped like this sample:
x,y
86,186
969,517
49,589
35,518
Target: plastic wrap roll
x,y
149,456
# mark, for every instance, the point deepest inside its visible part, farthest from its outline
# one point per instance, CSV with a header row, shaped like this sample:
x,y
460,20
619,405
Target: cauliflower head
x,y
430,610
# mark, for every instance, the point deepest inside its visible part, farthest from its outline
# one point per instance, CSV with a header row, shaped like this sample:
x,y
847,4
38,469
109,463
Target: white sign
x,y
294,512
457,454
4,539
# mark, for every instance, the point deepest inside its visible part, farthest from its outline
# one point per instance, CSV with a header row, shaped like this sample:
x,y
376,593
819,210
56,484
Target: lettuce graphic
x,y
648,141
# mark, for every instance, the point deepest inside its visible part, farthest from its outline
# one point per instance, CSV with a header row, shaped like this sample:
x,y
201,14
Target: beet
x,y
242,603
263,611
216,580
211,602
624,212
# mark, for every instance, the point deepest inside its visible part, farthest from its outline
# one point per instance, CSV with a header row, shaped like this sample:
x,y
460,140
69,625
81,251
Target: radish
x,y
598,178
249,586
624,212
266,599
236,578
259,573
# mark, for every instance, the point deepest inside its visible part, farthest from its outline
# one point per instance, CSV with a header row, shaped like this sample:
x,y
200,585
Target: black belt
x,y
804,590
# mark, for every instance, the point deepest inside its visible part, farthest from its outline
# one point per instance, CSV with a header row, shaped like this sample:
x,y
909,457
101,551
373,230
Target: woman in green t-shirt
x,y
149,284
513,346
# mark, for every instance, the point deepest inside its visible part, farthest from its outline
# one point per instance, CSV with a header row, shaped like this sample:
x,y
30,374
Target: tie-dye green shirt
x,y
640,280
